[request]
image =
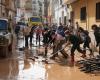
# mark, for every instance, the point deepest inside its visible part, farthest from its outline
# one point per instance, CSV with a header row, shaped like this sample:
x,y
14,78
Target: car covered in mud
x,y
6,38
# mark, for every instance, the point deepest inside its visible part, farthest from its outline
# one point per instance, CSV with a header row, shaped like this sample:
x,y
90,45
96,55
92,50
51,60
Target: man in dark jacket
x,y
97,35
75,41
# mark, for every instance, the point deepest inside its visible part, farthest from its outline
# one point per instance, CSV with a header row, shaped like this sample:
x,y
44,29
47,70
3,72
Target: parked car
x,y
6,38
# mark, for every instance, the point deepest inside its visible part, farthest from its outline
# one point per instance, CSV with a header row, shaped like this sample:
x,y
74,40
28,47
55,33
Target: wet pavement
x,y
22,65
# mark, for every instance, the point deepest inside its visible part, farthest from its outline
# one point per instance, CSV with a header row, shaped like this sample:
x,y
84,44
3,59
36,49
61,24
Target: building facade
x,y
8,8
86,12
28,9
38,7
60,12
20,10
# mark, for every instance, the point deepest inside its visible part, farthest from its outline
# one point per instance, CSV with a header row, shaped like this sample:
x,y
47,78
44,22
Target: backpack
x,y
81,38
61,32
88,39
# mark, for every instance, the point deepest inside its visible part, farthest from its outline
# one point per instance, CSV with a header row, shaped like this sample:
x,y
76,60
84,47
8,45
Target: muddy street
x,y
29,64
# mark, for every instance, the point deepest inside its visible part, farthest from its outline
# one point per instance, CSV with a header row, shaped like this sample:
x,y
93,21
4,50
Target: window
x,y
65,20
60,20
83,13
60,1
97,11
0,1
34,2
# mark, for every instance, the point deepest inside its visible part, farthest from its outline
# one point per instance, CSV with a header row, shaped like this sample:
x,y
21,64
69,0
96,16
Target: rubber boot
x,y
91,53
46,51
72,58
84,54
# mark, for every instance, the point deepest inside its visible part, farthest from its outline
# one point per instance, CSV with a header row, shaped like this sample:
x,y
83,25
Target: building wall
x,y
28,9
91,13
7,8
20,9
50,12
2,8
36,7
61,12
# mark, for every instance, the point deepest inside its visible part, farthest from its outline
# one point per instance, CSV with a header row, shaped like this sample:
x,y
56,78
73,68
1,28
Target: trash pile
x,y
90,65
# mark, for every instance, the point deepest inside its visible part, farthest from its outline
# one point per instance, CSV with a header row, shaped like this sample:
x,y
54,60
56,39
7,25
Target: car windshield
x,y
3,25
34,19
21,23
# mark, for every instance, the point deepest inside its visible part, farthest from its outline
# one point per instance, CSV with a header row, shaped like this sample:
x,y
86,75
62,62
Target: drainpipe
x,y
87,16
58,12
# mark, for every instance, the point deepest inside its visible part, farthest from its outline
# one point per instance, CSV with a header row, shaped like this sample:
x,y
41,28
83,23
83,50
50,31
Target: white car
x,y
5,38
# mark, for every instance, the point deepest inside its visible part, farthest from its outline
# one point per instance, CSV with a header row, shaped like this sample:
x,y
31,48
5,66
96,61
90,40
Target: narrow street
x,y
49,39
22,66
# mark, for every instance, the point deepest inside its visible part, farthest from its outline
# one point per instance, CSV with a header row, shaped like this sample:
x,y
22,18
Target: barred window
x,y
83,13
65,20
97,11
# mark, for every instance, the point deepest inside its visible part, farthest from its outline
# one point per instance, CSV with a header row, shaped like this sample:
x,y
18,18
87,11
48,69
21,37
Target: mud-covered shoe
x,y
83,56
72,59
53,58
91,54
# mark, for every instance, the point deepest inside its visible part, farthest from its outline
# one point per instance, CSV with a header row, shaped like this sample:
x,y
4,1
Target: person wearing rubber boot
x,y
45,41
96,30
59,41
75,41
86,40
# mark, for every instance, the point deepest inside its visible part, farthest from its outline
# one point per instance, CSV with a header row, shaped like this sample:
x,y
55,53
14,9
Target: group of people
x,y
28,32
62,36
59,36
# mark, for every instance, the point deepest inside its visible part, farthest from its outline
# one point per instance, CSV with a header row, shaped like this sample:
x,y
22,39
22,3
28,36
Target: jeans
x,y
26,40
31,36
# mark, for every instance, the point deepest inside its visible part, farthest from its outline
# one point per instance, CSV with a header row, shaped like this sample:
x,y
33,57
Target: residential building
x,y
28,9
60,12
8,8
85,12
20,10
38,7
46,7
2,8
51,12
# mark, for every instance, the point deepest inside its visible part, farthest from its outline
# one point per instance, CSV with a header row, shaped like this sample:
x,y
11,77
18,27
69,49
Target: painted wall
x,y
91,12
37,7
61,12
